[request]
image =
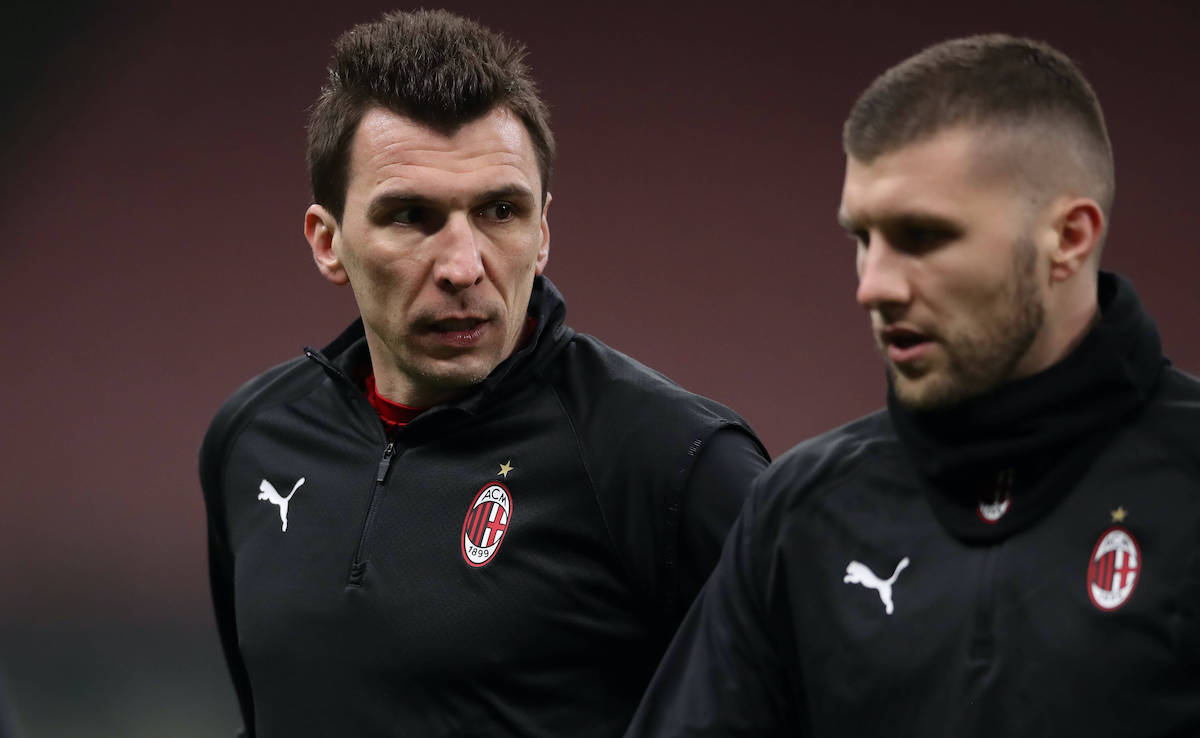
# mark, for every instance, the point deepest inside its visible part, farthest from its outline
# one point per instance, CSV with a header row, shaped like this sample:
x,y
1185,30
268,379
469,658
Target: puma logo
x,y
268,493
857,573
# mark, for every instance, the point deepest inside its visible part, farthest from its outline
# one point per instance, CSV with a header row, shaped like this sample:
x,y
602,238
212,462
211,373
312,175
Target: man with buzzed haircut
x,y
460,518
1010,547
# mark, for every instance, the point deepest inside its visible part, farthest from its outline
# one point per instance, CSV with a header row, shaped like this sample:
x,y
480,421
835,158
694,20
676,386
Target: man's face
x,y
949,268
440,239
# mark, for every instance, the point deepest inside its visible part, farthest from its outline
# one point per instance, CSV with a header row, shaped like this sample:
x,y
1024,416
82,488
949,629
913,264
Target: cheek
x,y
519,264
385,278
978,298
972,275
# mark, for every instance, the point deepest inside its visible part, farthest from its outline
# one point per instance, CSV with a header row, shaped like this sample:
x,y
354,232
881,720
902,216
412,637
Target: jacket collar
x,y
1032,439
347,355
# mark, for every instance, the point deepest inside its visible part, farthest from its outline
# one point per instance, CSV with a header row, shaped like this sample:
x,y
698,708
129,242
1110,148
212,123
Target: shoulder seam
x,y
673,520
583,460
241,417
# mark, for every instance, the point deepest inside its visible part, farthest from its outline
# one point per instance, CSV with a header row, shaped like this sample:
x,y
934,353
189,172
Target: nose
x,y
458,264
881,275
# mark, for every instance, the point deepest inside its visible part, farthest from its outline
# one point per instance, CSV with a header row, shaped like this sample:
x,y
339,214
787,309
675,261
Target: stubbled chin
x,y
915,390
932,391
449,376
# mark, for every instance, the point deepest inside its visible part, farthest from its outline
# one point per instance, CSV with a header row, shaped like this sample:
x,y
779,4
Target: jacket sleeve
x,y
220,571
723,674
714,493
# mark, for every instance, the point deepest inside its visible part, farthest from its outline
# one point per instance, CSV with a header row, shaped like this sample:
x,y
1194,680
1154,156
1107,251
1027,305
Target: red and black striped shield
x,y
1114,569
486,524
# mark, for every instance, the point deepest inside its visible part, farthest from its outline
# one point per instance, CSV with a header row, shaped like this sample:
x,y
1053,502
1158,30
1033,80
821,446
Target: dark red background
x,y
151,206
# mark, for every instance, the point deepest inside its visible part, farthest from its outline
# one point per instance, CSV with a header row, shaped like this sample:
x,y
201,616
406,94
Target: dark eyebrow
x,y
928,221
924,221
382,204
508,192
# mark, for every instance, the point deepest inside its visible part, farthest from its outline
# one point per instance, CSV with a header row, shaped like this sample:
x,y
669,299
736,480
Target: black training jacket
x,y
1025,565
512,564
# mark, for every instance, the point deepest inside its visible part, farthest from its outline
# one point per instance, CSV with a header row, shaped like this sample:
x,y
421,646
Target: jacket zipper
x,y
359,566
981,649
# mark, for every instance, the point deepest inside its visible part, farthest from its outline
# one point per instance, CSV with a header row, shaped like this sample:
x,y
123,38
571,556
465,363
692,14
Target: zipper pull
x,y
385,462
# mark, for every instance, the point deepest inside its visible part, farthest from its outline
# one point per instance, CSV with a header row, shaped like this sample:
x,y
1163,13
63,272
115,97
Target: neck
x,y
1046,428
396,385
392,385
1068,321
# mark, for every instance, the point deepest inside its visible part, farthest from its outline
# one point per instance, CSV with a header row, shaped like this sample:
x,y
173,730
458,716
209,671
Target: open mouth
x,y
459,332
902,338
903,344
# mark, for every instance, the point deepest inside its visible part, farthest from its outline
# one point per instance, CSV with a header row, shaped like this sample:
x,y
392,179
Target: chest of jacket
x,y
464,555
891,609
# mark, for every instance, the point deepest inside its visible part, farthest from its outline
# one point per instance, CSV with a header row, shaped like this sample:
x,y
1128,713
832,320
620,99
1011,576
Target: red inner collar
x,y
392,413
396,415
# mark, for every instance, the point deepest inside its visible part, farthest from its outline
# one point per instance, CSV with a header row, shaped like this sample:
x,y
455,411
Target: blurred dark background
x,y
151,205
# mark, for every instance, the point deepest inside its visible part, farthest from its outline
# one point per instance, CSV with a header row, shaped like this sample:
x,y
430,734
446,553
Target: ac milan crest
x,y
991,512
486,523
1113,569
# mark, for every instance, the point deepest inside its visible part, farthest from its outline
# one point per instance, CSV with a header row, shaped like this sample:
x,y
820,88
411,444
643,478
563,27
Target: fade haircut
x,y
436,68
990,82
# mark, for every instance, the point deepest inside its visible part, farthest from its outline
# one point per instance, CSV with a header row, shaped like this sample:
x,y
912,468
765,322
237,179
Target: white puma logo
x,y
857,573
269,494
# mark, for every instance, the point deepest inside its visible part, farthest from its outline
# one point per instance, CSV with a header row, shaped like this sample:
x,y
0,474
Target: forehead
x,y
391,150
944,174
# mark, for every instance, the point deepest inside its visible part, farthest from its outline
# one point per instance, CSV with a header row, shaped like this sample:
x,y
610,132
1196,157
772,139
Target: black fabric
x,y
1036,436
708,506
793,634
364,616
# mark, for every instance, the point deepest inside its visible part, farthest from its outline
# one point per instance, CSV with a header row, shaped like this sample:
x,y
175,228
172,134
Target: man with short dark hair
x,y
461,517
1009,549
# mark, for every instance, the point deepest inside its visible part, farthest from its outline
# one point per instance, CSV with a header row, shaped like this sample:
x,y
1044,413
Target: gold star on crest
x,y
1118,515
505,468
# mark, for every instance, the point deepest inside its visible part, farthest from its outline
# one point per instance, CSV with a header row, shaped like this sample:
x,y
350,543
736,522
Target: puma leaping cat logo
x,y
268,493
857,573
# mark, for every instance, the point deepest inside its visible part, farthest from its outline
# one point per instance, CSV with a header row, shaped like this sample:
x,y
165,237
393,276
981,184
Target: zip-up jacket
x,y
1027,564
510,564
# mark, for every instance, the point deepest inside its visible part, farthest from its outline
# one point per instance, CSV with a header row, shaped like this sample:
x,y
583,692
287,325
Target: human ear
x,y
1079,225
321,230
544,250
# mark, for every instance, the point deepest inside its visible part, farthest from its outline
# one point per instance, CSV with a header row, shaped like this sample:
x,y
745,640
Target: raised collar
x,y
1023,446
348,357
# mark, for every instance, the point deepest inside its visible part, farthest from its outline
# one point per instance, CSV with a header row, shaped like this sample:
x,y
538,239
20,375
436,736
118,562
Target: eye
x,y
499,211
410,215
917,238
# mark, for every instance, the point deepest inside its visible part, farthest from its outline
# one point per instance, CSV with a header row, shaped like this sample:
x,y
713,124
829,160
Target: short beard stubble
x,y
981,362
